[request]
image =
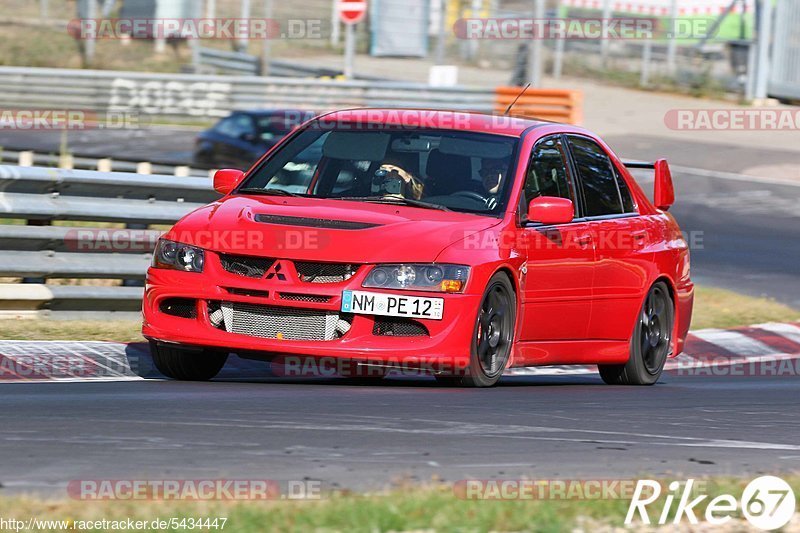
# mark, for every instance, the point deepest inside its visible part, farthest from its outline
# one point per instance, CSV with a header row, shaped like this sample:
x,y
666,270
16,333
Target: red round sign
x,y
352,11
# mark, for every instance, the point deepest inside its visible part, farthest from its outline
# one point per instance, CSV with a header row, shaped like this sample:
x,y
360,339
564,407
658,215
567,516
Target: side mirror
x,y
664,194
226,180
551,210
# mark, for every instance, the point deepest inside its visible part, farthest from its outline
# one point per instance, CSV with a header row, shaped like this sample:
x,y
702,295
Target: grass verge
x,y
431,508
720,308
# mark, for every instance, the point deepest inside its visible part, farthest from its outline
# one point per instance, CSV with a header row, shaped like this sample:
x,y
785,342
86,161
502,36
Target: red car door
x,y
621,239
557,287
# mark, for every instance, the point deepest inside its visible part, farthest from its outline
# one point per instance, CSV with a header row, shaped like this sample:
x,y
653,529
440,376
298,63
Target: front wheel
x,y
651,342
492,338
186,365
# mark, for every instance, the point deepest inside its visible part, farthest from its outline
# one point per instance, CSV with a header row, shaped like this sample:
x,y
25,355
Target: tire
x,y
187,365
492,338
651,342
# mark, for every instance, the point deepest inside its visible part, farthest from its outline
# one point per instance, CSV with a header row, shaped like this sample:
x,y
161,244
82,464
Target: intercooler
x,y
286,323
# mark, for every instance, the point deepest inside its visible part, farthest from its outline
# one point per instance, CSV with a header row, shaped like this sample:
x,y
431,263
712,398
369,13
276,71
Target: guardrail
x,y
229,61
29,158
201,96
556,105
101,233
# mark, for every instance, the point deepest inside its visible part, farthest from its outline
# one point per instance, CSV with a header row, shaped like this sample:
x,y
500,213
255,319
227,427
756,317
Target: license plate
x,y
378,303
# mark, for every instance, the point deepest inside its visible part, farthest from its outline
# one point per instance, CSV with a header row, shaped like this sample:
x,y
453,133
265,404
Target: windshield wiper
x,y
270,192
394,200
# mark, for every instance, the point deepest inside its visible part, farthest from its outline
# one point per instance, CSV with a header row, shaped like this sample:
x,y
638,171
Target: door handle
x,y
584,241
639,236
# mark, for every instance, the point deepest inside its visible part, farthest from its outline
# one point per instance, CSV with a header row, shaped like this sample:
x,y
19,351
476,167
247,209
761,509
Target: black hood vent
x,y
314,222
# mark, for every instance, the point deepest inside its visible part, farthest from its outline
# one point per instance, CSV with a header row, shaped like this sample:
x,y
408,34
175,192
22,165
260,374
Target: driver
x,y
492,172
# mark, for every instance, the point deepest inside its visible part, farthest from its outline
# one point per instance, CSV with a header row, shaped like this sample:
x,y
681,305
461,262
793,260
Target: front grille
x,y
287,323
398,327
314,222
180,307
315,298
243,265
324,272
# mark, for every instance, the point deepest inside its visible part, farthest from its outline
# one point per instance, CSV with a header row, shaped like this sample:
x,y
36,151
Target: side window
x,y
598,178
236,126
547,171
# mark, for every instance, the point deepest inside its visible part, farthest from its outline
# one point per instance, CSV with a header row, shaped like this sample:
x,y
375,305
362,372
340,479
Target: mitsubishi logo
x,y
275,272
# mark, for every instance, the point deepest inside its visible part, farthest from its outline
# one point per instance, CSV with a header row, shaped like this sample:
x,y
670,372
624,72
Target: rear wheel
x,y
650,344
492,338
187,365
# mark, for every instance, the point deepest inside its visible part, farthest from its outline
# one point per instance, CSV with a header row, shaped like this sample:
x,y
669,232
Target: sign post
x,y
351,12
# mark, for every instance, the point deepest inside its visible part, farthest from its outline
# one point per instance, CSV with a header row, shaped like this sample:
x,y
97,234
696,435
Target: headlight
x,y
169,254
436,278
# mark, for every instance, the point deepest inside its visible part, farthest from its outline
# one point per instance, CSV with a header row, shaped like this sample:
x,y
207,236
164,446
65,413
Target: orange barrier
x,y
555,105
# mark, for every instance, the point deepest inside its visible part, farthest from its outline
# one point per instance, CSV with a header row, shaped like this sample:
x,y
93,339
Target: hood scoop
x,y
314,222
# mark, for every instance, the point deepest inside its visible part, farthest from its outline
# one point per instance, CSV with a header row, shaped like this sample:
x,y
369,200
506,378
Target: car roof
x,y
436,119
273,112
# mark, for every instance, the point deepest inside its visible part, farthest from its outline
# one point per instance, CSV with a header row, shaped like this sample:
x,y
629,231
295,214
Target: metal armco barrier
x,y
200,96
96,246
555,105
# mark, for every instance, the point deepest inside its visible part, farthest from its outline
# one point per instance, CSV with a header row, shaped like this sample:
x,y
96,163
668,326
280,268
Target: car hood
x,y
325,230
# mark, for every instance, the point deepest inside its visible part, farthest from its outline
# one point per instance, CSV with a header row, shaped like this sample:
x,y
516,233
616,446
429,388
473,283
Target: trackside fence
x,y
203,97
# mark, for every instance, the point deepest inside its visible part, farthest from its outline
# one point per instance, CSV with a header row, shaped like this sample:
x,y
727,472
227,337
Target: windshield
x,y
456,170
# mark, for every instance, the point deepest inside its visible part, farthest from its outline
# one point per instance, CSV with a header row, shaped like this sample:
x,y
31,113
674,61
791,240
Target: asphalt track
x,y
362,437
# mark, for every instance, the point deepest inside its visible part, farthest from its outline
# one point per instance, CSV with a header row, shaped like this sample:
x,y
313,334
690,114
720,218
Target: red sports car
x,y
458,244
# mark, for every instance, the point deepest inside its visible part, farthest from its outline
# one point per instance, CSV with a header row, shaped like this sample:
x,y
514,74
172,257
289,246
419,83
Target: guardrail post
x,y
144,168
183,171
104,165
26,158
66,161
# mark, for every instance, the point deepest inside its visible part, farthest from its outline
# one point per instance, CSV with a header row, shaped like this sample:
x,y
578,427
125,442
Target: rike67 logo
x,y
767,502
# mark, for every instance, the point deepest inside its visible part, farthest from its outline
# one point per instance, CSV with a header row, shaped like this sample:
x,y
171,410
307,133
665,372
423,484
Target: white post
x,y
244,16
535,56
349,50
43,9
211,9
762,60
604,43
672,43
442,32
144,168
336,25
647,54
266,46
89,42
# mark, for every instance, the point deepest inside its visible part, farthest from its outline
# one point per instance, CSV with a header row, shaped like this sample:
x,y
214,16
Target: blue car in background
x,y
241,138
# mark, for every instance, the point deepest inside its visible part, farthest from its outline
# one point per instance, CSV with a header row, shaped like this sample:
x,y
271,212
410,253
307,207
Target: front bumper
x,y
447,343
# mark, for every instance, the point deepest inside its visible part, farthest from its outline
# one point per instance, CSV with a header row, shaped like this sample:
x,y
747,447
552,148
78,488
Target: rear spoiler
x,y
664,193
